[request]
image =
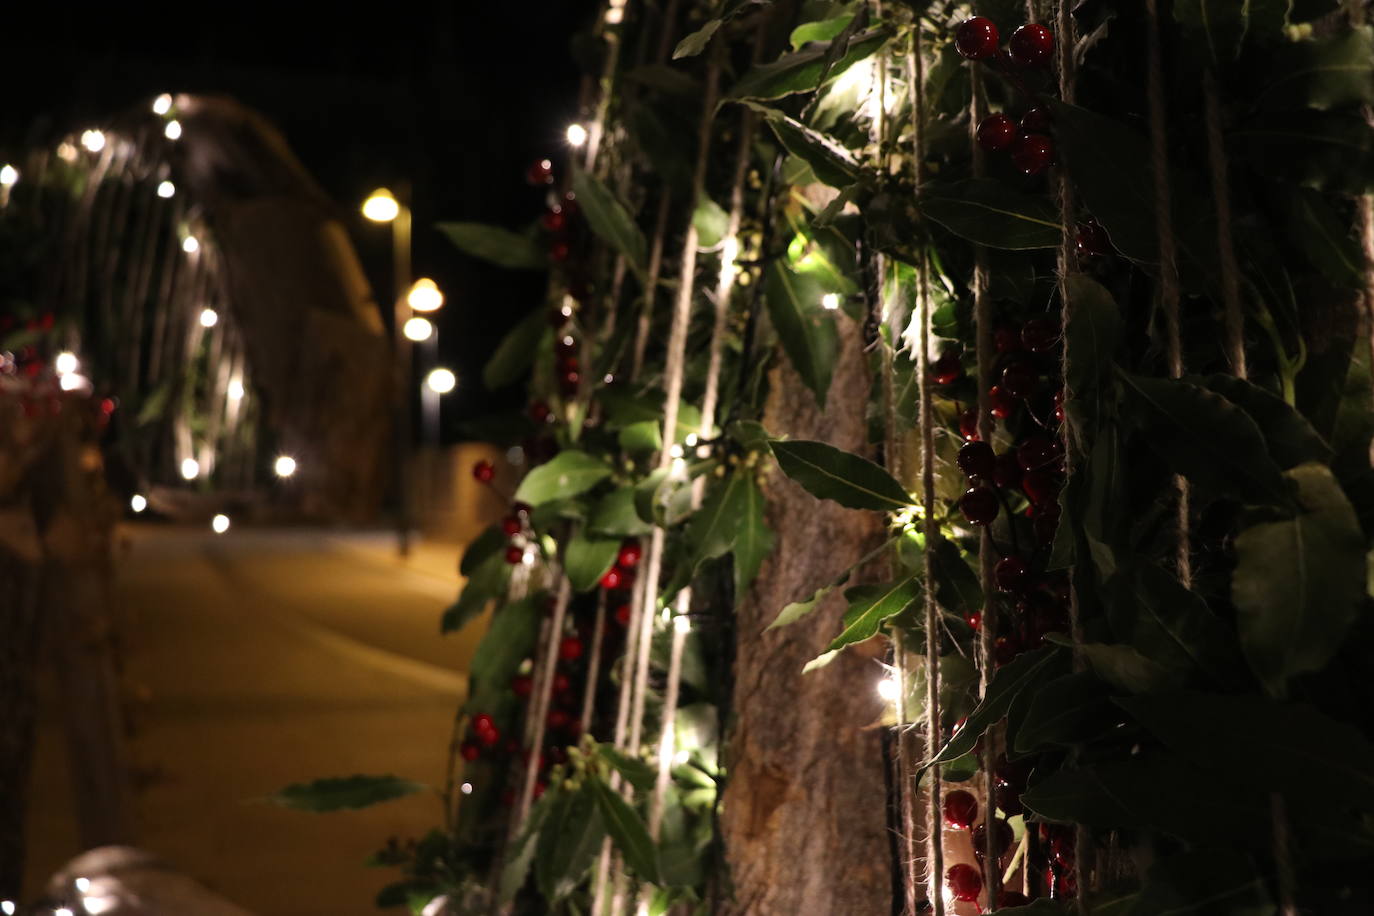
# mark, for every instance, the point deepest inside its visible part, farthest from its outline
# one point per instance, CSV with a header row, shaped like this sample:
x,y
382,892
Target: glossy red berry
x,y
1007,471
974,619
1001,404
1004,651
483,723
554,219
539,788
470,751
947,369
1091,240
490,737
629,555
1039,335
1036,120
979,505
964,882
1031,45
568,381
1032,153
560,250
968,425
1019,379
1006,339
1036,452
561,682
483,471
511,525
1040,487
570,649
522,685
961,809
540,172
1002,836
622,615
539,412
996,132
558,719
977,460
612,578
1012,573
515,555
976,38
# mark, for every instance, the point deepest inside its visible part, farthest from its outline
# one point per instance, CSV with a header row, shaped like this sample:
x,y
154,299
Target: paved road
x,y
262,658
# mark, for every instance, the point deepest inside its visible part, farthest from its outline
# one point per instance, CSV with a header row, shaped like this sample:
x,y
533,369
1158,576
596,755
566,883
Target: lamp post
x,y
382,206
425,297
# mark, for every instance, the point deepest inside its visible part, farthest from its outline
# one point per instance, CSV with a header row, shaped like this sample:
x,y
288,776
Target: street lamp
x,y
381,206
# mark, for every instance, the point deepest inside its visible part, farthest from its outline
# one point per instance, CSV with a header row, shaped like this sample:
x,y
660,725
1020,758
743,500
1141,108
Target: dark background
x,y
456,97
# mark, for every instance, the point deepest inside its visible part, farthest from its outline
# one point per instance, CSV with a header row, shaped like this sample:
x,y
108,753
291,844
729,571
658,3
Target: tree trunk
x,y
804,827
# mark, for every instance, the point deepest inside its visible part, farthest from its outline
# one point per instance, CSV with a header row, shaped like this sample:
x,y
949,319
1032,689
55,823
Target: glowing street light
x,y
208,318
173,130
190,469
424,296
9,176
166,189
441,381
381,206
66,363
284,466
93,140
576,134
220,523
162,104
138,502
418,329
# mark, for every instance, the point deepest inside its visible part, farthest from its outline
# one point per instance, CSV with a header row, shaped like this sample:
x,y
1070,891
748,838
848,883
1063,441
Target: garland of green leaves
x,y
1147,696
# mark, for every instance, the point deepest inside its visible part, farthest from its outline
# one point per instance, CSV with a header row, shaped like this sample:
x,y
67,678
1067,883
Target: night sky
x,y
458,97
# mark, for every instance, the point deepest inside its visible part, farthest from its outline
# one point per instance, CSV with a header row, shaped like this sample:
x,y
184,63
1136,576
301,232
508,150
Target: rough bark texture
x,y
803,820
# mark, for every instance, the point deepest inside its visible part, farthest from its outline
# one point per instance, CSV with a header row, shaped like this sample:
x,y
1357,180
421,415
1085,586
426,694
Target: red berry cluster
x,y
1031,47
621,574
516,527
1056,860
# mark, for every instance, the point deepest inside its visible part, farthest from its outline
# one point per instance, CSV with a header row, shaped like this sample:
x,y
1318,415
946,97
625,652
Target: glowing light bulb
x,y
9,175
887,688
830,301
208,318
614,15
93,140
190,244
381,206
681,757
219,524
166,189
82,885
7,907
466,788
162,104
66,363
235,389
418,329
138,502
62,911
190,469
691,440
577,134
682,624
441,381
675,451
424,296
527,557
173,130
66,152
73,381
97,905
284,466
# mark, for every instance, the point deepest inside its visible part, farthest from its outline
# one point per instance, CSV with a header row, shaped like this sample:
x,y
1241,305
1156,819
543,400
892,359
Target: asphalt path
x,y
257,659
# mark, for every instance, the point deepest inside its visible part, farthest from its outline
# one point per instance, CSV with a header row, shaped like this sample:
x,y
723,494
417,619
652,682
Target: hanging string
x,y
935,857
1064,45
1168,263
1234,322
1364,212
985,356
540,706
